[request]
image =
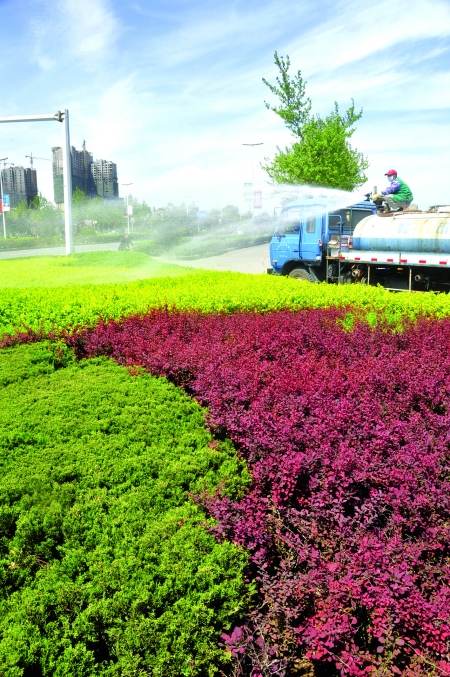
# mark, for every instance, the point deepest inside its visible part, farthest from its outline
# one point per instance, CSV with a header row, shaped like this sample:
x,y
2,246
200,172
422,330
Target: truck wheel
x,y
300,274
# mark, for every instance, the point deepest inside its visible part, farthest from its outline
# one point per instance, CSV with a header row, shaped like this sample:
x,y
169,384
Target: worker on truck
x,y
397,196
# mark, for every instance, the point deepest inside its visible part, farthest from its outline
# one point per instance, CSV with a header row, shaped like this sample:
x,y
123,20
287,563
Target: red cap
x,y
391,172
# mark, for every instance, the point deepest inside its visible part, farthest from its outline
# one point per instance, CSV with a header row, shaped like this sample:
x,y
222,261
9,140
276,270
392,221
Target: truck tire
x,y
300,274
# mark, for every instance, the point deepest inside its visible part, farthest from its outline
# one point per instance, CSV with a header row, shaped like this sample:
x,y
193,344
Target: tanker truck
x,y
407,250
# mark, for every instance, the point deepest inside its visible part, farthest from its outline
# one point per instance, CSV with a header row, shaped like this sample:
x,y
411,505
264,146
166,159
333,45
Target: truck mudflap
x,y
396,258
270,271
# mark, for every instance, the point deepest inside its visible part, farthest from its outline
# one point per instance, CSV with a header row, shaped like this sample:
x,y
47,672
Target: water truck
x,y
407,250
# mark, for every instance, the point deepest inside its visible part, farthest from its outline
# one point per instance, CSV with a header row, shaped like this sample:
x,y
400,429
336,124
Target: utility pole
x,y
85,168
3,159
187,197
128,211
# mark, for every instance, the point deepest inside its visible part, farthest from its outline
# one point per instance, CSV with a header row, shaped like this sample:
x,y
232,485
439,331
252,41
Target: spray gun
x,y
378,200
369,196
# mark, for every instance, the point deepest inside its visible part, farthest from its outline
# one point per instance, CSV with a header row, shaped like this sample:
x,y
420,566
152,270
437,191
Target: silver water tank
x,y
420,232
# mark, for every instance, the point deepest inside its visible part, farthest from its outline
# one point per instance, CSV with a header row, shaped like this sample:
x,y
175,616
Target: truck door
x,y
311,235
285,244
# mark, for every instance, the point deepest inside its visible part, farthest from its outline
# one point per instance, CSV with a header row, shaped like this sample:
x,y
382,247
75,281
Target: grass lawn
x,y
85,268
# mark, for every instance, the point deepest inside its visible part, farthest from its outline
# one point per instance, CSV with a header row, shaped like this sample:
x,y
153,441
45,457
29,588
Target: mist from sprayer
x,y
172,233
325,199
222,237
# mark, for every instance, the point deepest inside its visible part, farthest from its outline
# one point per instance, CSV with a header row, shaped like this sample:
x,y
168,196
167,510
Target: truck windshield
x,y
291,219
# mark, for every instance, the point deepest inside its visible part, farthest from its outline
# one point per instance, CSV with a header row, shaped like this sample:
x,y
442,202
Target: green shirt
x,y
404,193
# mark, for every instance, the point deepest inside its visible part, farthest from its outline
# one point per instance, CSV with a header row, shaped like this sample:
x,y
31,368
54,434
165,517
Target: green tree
x,y
79,197
321,153
295,107
44,216
230,214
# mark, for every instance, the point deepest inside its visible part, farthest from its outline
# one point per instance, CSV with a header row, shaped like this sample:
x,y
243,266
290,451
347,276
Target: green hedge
x,y
31,242
106,567
13,243
59,308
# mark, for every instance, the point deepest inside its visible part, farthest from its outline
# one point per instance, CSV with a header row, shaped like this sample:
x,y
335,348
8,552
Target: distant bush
x,y
13,243
87,231
105,565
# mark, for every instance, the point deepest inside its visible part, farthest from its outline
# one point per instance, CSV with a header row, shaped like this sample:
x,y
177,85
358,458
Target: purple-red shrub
x,y
346,435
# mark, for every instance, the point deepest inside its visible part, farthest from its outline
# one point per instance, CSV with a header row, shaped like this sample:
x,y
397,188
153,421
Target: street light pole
x,y
187,204
253,170
3,159
67,177
128,211
60,116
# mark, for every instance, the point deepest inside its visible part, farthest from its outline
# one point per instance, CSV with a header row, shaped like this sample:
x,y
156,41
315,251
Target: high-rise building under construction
x,y
104,176
81,161
20,184
97,178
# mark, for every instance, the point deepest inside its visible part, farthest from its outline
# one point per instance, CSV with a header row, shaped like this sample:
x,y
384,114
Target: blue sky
x,y
171,91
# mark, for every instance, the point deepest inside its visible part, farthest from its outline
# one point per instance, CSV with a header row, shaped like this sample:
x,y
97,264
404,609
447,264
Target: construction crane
x,y
32,176
32,157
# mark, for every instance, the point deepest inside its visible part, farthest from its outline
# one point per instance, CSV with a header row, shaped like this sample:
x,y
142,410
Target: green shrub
x,y
106,567
59,308
31,242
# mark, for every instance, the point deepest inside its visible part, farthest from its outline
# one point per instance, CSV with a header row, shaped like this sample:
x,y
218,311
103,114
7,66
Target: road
x,y
248,260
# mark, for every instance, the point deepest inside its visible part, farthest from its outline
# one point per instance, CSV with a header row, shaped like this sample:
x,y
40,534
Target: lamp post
x,y
128,211
3,159
253,170
187,204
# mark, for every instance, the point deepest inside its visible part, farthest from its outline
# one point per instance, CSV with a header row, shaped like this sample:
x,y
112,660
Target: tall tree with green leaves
x,y
321,154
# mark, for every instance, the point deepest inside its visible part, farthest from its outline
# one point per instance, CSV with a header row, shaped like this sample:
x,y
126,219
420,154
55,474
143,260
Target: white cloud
x,y
226,33
118,121
73,29
355,31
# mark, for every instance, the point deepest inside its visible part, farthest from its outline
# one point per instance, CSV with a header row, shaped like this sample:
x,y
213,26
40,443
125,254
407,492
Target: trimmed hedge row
x,y
347,437
106,567
43,310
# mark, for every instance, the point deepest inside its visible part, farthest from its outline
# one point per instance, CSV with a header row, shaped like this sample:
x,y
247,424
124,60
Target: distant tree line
x,y
99,217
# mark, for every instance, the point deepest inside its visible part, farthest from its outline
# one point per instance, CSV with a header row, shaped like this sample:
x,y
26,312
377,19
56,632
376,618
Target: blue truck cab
x,y
302,235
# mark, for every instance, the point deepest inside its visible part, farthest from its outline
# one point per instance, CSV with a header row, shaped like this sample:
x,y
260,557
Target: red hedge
x,y
347,437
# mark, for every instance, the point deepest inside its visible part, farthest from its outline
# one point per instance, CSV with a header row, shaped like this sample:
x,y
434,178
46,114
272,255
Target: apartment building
x,y
81,161
104,177
20,184
97,178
